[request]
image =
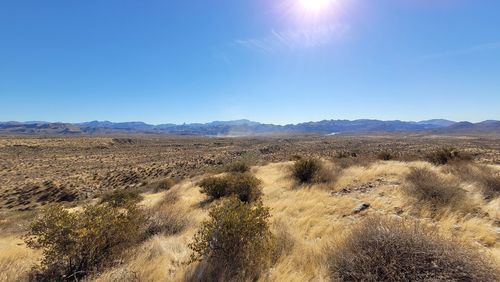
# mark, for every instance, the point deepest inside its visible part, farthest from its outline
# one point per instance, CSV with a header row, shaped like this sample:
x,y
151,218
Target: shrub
x,y
244,185
234,242
121,197
383,250
312,170
428,188
487,178
445,155
238,167
305,170
163,185
385,156
75,244
490,183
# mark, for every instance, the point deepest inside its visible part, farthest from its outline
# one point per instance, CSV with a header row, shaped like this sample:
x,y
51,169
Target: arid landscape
x,y
245,141
442,192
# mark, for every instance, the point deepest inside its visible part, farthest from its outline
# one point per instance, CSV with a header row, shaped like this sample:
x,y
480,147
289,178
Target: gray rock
x,y
361,207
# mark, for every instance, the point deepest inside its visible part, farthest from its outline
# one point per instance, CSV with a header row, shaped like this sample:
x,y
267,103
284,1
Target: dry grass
x,y
166,217
431,190
308,221
391,250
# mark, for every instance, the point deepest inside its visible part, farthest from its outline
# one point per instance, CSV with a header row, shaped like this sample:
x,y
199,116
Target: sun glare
x,y
315,6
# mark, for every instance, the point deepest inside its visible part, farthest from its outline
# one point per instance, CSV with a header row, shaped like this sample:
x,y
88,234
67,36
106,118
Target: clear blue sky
x,y
276,61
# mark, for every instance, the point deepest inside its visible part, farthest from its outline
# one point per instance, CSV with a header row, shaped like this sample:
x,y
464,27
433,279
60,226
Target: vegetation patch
x,y
76,244
166,217
235,243
385,155
240,167
121,197
311,170
487,178
429,189
244,185
163,185
444,156
389,250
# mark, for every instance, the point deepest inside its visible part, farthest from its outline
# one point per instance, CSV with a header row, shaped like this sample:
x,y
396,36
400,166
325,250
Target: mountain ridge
x,y
245,127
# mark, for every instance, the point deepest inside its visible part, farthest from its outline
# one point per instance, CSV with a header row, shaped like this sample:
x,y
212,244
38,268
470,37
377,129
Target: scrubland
x,y
321,212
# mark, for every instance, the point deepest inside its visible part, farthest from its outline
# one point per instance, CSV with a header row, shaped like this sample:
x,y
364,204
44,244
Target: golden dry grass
x,y
308,220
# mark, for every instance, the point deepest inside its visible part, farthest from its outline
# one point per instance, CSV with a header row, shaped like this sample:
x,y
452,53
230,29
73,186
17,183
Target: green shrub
x,y
243,185
390,250
235,243
121,197
428,188
76,244
240,167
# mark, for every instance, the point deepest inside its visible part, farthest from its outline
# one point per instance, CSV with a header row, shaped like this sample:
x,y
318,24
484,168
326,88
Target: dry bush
x,y
385,155
312,170
487,178
446,155
76,244
246,186
490,184
163,185
429,189
121,197
305,170
234,244
240,167
389,250
166,217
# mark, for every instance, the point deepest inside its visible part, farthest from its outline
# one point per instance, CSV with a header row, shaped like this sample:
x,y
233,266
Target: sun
x,y
314,6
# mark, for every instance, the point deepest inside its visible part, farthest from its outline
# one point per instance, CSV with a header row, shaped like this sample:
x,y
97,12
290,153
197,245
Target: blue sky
x,y
277,61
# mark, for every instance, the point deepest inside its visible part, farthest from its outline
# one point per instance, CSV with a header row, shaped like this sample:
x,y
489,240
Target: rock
x,y
361,207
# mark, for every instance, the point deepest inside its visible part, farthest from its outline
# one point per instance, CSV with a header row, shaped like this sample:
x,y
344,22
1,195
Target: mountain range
x,y
250,128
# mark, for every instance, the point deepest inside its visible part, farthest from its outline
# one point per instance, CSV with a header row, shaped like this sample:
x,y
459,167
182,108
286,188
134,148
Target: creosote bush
x,y
76,244
390,250
240,167
429,189
235,243
244,185
121,197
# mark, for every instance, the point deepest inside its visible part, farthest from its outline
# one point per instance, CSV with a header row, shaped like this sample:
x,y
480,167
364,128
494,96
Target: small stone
x,y
361,207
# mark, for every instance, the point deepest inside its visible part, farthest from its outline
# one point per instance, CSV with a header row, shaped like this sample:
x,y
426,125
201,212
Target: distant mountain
x,y
488,126
438,122
250,128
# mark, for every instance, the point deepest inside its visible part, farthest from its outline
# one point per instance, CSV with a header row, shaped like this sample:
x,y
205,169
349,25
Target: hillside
x,y
309,220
